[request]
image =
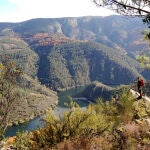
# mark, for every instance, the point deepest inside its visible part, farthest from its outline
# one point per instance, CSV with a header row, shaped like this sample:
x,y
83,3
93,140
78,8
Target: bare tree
x,y
126,7
9,93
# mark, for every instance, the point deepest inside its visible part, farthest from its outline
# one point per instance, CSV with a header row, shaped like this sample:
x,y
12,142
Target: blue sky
x,y
21,10
7,7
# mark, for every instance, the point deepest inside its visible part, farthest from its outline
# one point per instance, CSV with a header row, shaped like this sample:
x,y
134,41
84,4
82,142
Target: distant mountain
x,y
122,33
68,52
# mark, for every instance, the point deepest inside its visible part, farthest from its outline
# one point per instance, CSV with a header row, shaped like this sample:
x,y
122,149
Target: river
x,y
38,122
33,124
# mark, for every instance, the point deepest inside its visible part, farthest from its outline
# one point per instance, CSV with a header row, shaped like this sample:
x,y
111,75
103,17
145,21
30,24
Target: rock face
x,y
136,94
142,109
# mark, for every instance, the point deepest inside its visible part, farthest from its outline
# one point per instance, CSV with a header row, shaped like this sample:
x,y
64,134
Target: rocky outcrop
x,y
142,110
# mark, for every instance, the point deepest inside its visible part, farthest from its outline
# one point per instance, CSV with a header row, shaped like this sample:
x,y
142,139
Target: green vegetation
x,y
78,64
144,60
108,125
21,97
27,97
9,93
18,51
62,53
96,90
64,96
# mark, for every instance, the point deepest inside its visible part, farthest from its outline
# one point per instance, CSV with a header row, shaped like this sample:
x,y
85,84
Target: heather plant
x,y
74,122
92,126
94,120
126,112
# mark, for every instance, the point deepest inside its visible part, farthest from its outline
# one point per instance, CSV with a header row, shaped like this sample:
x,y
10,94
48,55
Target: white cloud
x,y
28,9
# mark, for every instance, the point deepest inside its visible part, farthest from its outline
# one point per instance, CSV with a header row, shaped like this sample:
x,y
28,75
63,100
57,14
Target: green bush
x,y
22,141
105,120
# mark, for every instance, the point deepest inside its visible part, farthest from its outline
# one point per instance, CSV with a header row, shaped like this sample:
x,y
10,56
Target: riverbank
x,y
32,124
33,105
36,106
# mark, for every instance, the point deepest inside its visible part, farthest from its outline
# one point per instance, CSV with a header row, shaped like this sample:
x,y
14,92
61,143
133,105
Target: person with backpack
x,y
140,84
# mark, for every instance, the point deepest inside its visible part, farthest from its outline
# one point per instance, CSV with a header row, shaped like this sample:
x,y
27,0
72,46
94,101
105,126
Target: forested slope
x,y
77,64
34,97
19,51
68,52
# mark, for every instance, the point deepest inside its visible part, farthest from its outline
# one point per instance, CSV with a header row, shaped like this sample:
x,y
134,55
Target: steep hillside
x,y
97,90
75,64
18,50
62,52
65,63
35,98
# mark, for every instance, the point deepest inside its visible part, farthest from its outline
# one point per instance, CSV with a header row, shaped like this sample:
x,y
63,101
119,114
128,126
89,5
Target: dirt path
x,y
136,94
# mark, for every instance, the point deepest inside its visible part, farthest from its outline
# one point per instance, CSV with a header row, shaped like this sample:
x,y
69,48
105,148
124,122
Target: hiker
x,y
140,84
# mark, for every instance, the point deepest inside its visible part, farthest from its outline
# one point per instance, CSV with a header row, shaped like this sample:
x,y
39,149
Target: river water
x,y
33,124
38,122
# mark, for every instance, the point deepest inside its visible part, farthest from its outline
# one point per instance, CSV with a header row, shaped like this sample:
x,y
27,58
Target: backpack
x,y
142,82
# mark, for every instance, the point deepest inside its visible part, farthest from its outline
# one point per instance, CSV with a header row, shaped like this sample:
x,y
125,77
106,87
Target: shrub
x,y
110,124
22,141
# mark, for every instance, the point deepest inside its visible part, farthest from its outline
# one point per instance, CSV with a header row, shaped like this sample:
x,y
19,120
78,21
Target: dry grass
x,y
84,143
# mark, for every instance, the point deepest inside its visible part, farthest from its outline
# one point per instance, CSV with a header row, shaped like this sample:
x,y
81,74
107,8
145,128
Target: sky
x,y
21,10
